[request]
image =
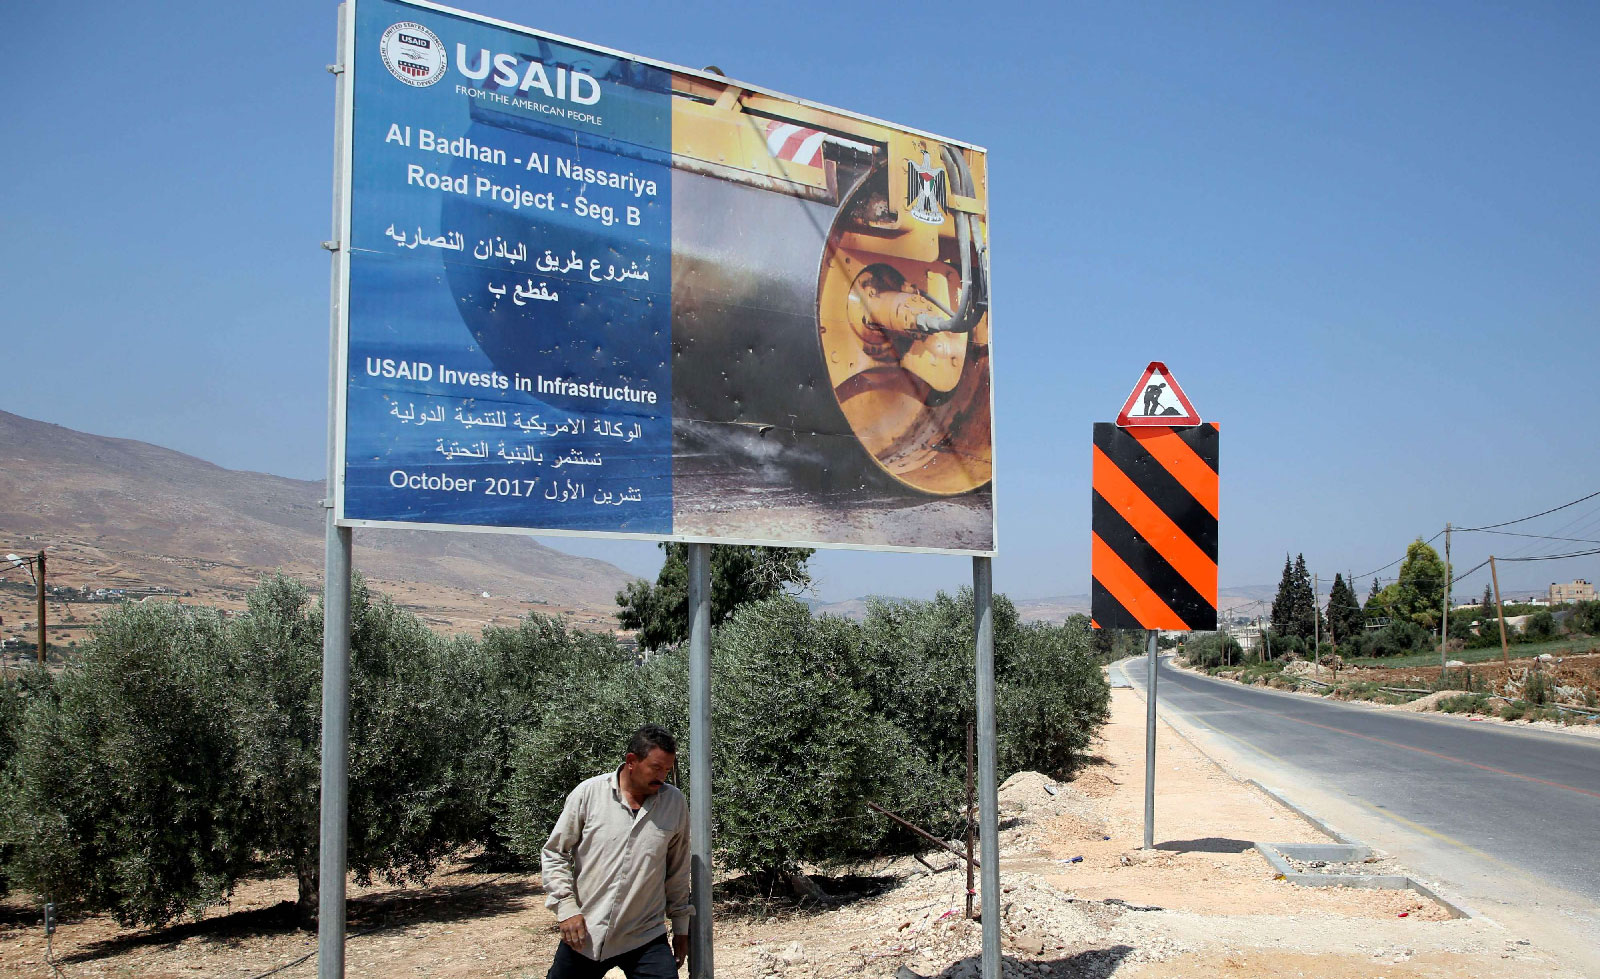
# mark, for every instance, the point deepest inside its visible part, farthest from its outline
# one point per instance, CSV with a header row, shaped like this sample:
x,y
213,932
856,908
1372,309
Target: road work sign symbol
x,y
1157,400
1154,539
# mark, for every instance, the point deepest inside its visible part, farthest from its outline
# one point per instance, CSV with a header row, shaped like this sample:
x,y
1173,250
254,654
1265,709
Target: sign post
x,y
334,802
1150,740
700,958
1154,541
988,792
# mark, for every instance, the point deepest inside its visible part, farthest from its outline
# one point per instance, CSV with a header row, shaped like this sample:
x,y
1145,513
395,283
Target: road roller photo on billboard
x,y
587,292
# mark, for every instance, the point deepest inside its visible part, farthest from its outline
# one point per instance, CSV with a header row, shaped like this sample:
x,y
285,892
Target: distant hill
x,y
121,513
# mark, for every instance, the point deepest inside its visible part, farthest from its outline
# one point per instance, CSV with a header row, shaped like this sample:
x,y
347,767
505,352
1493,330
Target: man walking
x,y
617,866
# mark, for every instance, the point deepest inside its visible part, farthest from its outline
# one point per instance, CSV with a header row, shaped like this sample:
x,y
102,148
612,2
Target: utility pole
x,y
1316,624
38,584
1505,657
1444,618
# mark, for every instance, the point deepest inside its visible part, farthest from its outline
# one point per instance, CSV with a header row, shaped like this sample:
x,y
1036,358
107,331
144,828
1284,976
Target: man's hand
x,y
575,932
680,948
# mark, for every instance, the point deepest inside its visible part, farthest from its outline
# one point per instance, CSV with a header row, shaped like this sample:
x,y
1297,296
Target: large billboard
x,y
586,292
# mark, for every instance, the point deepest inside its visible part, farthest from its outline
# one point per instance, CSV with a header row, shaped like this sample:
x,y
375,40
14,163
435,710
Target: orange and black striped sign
x,y
1154,541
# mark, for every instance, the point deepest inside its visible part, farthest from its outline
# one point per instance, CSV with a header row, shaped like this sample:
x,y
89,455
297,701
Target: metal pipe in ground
x,y
913,827
1150,742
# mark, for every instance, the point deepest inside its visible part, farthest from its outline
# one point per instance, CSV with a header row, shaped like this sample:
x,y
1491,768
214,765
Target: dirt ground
x,y
1578,671
1573,676
1080,899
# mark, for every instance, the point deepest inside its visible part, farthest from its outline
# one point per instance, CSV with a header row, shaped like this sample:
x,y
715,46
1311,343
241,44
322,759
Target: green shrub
x,y
123,788
1586,618
1538,688
1467,703
1399,637
816,716
1539,626
178,750
798,747
1050,697
1284,646
18,691
582,729
1513,711
1050,701
1208,649
502,688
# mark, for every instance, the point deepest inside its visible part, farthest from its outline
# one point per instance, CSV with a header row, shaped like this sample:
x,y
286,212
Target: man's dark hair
x,y
651,736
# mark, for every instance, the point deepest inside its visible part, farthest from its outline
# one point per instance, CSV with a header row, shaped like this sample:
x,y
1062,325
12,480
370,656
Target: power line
x,y
1553,557
1507,523
1480,564
1512,533
1386,567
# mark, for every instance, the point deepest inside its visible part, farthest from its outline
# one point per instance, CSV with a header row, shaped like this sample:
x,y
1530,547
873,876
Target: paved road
x,y
1499,813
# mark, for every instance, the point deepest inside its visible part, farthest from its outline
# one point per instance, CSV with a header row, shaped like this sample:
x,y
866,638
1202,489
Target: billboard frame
x,y
339,369
338,546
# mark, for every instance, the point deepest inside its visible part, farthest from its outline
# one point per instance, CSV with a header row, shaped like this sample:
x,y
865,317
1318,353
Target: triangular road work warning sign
x,y
1157,400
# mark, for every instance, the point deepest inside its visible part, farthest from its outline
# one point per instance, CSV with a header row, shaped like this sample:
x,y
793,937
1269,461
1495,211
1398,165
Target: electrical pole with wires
x,y
1500,610
35,566
38,585
1444,618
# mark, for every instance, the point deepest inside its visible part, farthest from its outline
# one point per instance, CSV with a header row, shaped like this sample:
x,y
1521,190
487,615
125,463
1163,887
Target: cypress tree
x,y
1283,602
1345,618
1303,610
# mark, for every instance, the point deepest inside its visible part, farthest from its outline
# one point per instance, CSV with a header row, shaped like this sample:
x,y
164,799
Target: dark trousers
x,y
652,960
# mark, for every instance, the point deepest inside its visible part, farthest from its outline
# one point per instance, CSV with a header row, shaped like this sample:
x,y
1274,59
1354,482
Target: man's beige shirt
x,y
624,873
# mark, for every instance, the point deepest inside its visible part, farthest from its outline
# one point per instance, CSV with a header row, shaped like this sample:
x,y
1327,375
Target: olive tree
x,y
123,789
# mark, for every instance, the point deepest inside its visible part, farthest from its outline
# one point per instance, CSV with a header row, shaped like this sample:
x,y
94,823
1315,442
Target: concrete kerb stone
x,y
1272,853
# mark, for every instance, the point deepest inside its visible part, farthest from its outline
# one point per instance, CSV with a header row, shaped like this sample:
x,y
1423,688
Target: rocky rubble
x,y
919,928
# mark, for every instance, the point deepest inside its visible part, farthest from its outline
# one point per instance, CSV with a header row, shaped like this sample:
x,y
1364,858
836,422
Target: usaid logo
x,y
413,54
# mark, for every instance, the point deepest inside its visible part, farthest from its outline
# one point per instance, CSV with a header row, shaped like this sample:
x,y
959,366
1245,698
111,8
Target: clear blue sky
x,y
1364,236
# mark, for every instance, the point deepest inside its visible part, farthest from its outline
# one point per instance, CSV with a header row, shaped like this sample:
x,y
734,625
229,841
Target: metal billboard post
x,y
988,794
1150,741
335,797
335,753
700,956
